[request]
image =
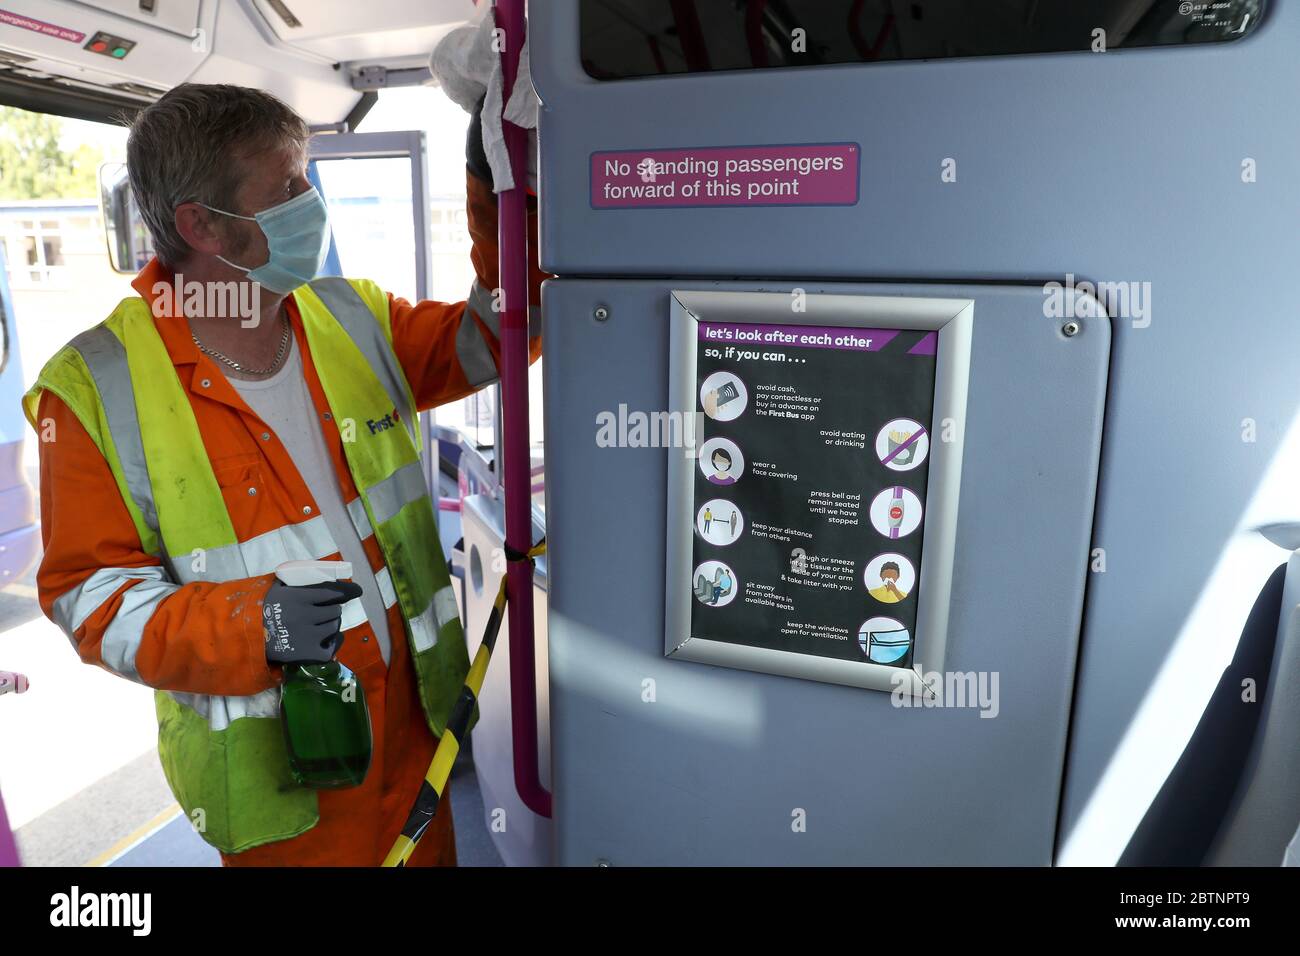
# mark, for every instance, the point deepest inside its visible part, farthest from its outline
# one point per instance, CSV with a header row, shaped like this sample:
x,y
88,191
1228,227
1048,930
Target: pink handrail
x,y
512,239
8,849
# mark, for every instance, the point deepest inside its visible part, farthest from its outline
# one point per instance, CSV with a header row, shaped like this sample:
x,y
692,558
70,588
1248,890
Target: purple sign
x,y
798,336
803,174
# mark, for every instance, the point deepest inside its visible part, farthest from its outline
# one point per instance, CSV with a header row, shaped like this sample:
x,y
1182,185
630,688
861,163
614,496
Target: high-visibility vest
x,y
224,757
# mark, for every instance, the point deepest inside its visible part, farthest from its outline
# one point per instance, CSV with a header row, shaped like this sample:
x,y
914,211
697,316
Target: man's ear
x,y
195,224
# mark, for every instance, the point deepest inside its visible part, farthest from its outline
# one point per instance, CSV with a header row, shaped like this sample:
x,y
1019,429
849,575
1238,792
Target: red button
x,y
99,46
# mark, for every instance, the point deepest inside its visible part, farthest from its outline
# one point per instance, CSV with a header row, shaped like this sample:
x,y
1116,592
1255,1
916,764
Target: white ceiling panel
x,y
380,31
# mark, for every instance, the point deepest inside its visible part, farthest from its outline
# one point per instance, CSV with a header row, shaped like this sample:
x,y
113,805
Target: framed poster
x,y
812,521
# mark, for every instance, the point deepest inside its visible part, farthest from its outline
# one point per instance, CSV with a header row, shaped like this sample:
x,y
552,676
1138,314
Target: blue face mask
x,y
297,241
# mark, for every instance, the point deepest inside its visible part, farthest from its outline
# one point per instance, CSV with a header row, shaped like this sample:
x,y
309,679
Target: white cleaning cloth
x,y
468,68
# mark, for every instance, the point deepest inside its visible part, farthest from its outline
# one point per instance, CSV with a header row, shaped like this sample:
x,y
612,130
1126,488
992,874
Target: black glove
x,y
475,158
302,623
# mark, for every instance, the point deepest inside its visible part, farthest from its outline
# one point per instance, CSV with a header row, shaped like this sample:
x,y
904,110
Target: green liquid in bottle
x,y
326,725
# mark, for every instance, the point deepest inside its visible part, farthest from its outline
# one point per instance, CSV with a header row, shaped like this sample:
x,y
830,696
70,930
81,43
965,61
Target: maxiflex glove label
x,y
277,634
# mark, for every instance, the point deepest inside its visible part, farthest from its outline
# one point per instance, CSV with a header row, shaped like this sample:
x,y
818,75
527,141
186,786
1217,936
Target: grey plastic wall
x,y
1123,166
715,765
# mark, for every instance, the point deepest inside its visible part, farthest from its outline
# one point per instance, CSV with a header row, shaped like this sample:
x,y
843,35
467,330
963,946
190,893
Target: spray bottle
x,y
322,706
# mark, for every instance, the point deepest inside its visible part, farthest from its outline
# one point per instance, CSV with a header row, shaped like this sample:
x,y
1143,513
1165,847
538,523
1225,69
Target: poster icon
x,y
903,444
721,461
889,578
896,512
719,522
715,584
724,396
884,640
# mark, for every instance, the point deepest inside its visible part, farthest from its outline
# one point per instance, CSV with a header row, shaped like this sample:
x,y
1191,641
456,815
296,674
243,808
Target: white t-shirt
x,y
284,402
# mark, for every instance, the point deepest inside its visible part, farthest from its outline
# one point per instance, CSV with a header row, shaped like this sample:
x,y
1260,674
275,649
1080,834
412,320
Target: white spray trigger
x,y
302,573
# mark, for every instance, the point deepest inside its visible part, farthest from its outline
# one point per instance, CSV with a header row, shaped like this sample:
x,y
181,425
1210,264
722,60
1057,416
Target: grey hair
x,y
189,146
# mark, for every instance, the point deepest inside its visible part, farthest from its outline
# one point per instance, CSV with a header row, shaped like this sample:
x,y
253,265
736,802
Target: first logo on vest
x,y
383,424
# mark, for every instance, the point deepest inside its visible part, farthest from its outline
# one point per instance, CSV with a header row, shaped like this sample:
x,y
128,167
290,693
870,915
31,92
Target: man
x,y
888,592
721,584
187,452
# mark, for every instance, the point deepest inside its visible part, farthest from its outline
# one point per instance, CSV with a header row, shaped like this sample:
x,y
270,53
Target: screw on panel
x,y
601,313
1071,329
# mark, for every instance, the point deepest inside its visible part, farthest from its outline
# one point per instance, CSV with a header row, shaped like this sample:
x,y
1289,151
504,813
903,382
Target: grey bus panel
x,y
662,761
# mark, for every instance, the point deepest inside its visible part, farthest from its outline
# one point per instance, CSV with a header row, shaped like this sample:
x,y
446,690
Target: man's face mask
x,y
297,241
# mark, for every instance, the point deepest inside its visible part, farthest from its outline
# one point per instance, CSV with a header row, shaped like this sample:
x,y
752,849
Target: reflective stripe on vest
x,y
232,768
105,357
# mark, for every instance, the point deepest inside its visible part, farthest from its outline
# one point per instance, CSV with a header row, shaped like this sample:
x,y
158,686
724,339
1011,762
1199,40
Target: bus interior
x,y
1026,260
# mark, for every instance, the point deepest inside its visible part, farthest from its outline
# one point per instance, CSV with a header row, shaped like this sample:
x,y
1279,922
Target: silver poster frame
x,y
953,320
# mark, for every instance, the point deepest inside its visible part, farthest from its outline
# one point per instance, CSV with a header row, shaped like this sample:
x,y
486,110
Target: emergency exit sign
x,y
802,174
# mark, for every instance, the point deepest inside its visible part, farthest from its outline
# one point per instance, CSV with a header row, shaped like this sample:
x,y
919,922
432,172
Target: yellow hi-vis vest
x,y
224,757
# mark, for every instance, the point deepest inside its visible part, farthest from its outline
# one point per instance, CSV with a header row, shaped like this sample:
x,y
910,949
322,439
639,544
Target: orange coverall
x,y
189,643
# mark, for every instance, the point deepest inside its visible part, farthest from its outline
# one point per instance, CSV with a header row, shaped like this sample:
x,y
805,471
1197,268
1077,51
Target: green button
x,y
119,52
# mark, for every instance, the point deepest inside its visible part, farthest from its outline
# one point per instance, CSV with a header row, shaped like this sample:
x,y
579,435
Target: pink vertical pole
x,y
512,240
8,849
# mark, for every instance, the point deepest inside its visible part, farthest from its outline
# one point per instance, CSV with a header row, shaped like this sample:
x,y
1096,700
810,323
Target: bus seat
x,y
1265,811
1183,820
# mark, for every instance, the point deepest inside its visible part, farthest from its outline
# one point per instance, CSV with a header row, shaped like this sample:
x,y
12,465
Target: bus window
x,y
658,37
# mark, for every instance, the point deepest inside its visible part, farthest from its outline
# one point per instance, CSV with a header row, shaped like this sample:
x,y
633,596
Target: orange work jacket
x,y
190,643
